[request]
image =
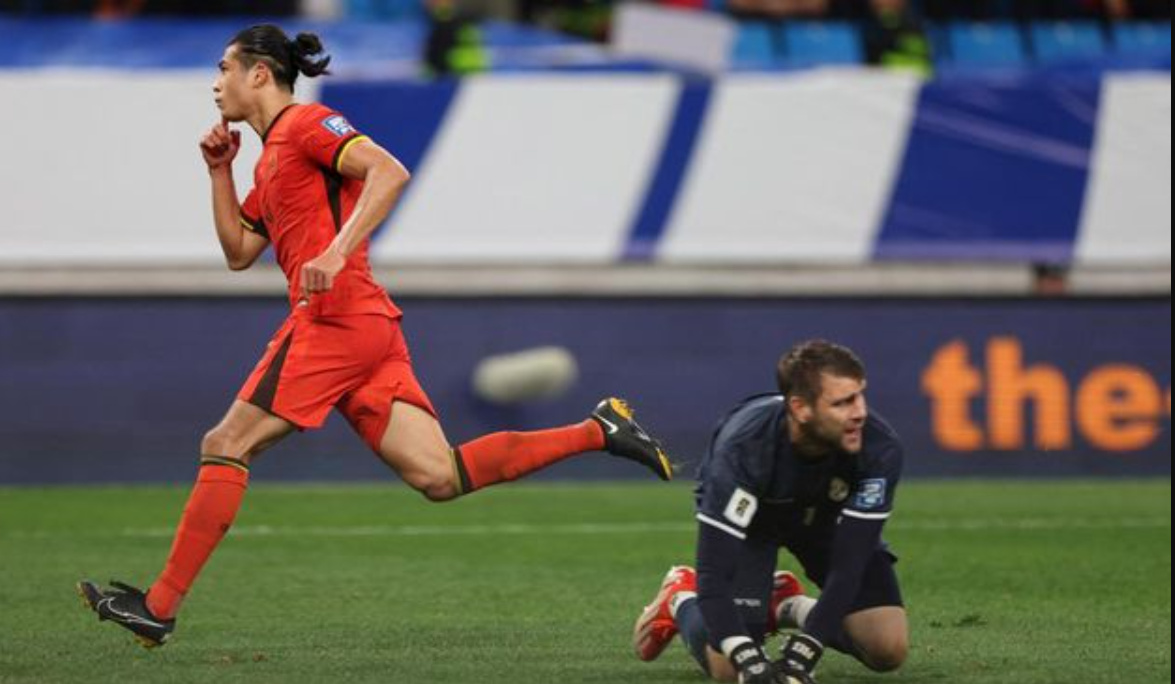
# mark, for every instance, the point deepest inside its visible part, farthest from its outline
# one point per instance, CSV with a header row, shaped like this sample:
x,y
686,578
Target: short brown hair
x,y
800,370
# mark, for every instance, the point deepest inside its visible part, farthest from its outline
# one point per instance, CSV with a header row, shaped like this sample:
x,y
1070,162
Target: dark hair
x,y
286,58
801,369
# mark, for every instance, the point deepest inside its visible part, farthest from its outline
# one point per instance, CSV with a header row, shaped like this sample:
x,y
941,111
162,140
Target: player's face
x,y
838,418
231,88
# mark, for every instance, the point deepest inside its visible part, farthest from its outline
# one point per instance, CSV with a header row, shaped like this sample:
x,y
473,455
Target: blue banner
x,y
123,390
994,171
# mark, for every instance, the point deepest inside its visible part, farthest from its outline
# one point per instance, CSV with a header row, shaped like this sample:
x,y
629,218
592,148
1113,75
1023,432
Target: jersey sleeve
x,y
734,480
857,538
873,495
325,136
251,215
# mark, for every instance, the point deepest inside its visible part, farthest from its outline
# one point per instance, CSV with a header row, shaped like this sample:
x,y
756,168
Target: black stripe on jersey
x,y
257,226
334,163
334,196
266,392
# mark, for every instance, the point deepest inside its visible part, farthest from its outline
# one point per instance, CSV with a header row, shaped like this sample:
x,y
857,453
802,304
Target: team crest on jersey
x,y
871,495
742,508
838,491
338,125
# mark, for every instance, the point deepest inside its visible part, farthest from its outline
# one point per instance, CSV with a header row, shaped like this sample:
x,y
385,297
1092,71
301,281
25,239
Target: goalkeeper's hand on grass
x,y
752,665
787,674
798,659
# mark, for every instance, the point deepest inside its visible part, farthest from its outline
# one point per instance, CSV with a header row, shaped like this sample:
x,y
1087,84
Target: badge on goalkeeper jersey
x,y
742,508
870,495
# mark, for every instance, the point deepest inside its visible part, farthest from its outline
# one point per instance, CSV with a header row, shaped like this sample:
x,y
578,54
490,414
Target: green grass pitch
x,y
1007,582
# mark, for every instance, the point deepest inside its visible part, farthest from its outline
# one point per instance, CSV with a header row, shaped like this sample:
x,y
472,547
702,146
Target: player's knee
x,y
221,442
441,492
889,655
437,485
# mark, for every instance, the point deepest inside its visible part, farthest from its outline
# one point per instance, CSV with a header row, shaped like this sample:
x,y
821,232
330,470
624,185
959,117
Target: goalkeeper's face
x,y
838,417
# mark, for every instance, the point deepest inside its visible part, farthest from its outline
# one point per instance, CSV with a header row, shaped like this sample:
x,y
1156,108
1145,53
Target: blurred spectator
x,y
119,9
1069,9
591,19
1029,10
590,16
454,46
1050,280
685,4
781,9
895,37
1145,9
127,8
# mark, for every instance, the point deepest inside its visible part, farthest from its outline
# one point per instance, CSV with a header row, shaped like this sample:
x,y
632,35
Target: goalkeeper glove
x,y
752,665
799,657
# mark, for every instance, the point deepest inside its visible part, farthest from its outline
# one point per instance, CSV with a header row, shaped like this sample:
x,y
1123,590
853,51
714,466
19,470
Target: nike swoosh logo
x,y
612,427
129,617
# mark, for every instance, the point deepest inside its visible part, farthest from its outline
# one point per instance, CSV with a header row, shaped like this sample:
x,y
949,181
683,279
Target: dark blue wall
x,y
122,389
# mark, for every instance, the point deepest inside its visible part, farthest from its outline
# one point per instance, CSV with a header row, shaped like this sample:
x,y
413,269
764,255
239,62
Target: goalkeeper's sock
x,y
508,456
209,514
680,599
793,612
691,625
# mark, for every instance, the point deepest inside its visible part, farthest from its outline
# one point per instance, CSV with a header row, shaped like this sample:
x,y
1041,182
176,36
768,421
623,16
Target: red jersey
x,y
300,201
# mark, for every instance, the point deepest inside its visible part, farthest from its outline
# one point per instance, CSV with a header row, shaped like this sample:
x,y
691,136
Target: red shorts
x,y
357,364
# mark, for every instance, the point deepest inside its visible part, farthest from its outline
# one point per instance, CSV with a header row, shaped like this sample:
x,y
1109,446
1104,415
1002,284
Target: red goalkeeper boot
x,y
787,586
655,628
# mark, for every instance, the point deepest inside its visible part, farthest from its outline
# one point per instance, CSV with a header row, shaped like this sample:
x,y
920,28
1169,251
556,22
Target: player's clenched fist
x,y
318,274
220,145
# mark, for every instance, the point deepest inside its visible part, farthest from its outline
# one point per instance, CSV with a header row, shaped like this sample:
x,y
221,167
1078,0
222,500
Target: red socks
x,y
507,456
208,516
221,486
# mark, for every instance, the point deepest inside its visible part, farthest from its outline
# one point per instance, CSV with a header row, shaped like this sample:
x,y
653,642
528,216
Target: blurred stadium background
x,y
984,212
975,195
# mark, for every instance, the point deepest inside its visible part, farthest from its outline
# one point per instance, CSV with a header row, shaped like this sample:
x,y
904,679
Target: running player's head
x,y
263,60
825,388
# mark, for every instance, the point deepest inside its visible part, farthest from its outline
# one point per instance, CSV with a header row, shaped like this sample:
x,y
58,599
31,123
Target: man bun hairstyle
x,y
304,49
801,370
286,58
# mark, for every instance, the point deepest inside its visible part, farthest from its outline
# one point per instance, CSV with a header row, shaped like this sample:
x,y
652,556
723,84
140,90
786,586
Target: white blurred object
x,y
698,40
322,9
531,375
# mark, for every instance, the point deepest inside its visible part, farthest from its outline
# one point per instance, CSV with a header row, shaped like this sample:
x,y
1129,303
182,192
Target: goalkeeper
x,y
809,470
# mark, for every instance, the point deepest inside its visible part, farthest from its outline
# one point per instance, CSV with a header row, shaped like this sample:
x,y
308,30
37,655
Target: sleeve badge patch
x,y
870,495
742,508
338,125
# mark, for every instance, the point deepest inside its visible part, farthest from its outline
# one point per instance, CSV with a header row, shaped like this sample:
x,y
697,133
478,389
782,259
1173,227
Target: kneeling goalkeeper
x,y
812,471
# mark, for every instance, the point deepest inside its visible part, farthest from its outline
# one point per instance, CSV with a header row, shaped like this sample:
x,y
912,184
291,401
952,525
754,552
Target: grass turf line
x,y
1031,583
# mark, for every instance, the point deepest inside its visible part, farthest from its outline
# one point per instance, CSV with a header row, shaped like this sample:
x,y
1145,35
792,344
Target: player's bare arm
x,y
384,180
349,355
241,247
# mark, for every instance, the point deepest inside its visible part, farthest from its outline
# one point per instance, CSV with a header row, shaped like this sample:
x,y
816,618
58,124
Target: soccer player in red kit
x,y
320,189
